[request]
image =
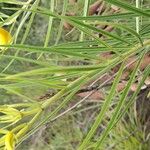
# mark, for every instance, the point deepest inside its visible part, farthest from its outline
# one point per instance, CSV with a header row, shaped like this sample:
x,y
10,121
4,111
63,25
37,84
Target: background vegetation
x,y
77,72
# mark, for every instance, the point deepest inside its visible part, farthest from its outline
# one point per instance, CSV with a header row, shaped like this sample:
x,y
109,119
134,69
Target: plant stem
x,y
137,18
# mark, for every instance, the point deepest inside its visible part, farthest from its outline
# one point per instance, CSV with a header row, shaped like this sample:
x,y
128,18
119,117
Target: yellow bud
x,y
8,115
10,141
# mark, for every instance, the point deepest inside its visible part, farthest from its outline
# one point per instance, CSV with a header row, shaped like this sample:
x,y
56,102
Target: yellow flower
x,y
5,37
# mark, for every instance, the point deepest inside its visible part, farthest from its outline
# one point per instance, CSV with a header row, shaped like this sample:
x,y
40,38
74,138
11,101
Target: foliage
x,y
41,58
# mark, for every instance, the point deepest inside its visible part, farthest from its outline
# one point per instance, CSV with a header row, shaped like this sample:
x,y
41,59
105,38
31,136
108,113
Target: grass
x,y
44,56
